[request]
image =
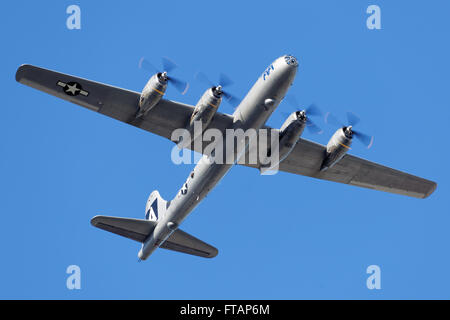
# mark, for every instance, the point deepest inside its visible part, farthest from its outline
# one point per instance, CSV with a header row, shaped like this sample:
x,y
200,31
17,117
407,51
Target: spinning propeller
x,y
224,82
167,67
353,120
304,115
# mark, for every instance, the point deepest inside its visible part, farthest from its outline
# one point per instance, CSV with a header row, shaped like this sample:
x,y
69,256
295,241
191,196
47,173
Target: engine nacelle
x,y
203,113
152,93
337,147
290,132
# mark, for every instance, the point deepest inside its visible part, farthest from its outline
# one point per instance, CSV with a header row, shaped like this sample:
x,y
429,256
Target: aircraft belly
x,y
206,178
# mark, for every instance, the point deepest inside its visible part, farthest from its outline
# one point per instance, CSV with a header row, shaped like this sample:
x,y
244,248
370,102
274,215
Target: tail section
x,y
156,207
185,243
139,230
143,231
134,229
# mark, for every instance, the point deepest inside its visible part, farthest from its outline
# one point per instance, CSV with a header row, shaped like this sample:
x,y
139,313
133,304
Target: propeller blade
x,y
313,110
180,85
231,99
145,64
364,138
168,65
331,119
292,100
224,81
353,119
200,76
312,127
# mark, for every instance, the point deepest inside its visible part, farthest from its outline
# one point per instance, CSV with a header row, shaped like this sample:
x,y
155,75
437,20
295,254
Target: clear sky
x,y
279,237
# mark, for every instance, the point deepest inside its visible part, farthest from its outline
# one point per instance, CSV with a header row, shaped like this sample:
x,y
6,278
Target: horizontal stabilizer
x,y
139,230
134,229
183,242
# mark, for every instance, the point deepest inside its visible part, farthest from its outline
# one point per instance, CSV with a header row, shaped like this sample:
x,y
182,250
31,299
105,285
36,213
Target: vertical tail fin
x,y
156,207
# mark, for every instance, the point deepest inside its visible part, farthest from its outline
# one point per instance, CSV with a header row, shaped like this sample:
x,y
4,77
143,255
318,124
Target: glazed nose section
x,y
282,70
289,65
291,60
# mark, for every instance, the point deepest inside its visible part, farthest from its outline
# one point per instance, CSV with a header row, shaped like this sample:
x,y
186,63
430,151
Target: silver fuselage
x,y
252,113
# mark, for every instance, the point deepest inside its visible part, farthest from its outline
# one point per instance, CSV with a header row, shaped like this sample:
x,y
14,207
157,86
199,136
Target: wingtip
x,y
20,71
94,221
213,254
432,189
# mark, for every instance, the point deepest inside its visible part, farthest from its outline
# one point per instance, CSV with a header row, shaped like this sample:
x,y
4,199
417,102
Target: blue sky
x,y
280,237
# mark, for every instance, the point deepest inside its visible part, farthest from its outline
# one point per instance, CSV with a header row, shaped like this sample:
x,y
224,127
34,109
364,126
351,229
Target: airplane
x,y
149,111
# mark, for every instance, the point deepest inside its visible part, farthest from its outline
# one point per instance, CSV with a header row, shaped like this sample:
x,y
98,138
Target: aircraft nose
x,y
291,60
289,64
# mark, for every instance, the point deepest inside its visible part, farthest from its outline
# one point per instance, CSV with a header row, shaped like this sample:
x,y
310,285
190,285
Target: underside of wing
x,y
167,116
307,157
114,102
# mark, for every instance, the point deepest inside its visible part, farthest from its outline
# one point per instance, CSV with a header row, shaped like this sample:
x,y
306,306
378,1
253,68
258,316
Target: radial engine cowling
x,y
337,147
152,93
203,113
290,132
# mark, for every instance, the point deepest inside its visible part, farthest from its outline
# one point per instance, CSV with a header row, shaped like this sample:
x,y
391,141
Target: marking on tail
x,y
155,207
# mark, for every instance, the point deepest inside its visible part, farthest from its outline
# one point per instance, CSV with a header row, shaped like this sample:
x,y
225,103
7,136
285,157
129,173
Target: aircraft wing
x,y
114,102
307,157
166,116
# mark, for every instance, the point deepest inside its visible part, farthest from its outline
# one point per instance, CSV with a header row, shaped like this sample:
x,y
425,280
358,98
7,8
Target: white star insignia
x,y
72,88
